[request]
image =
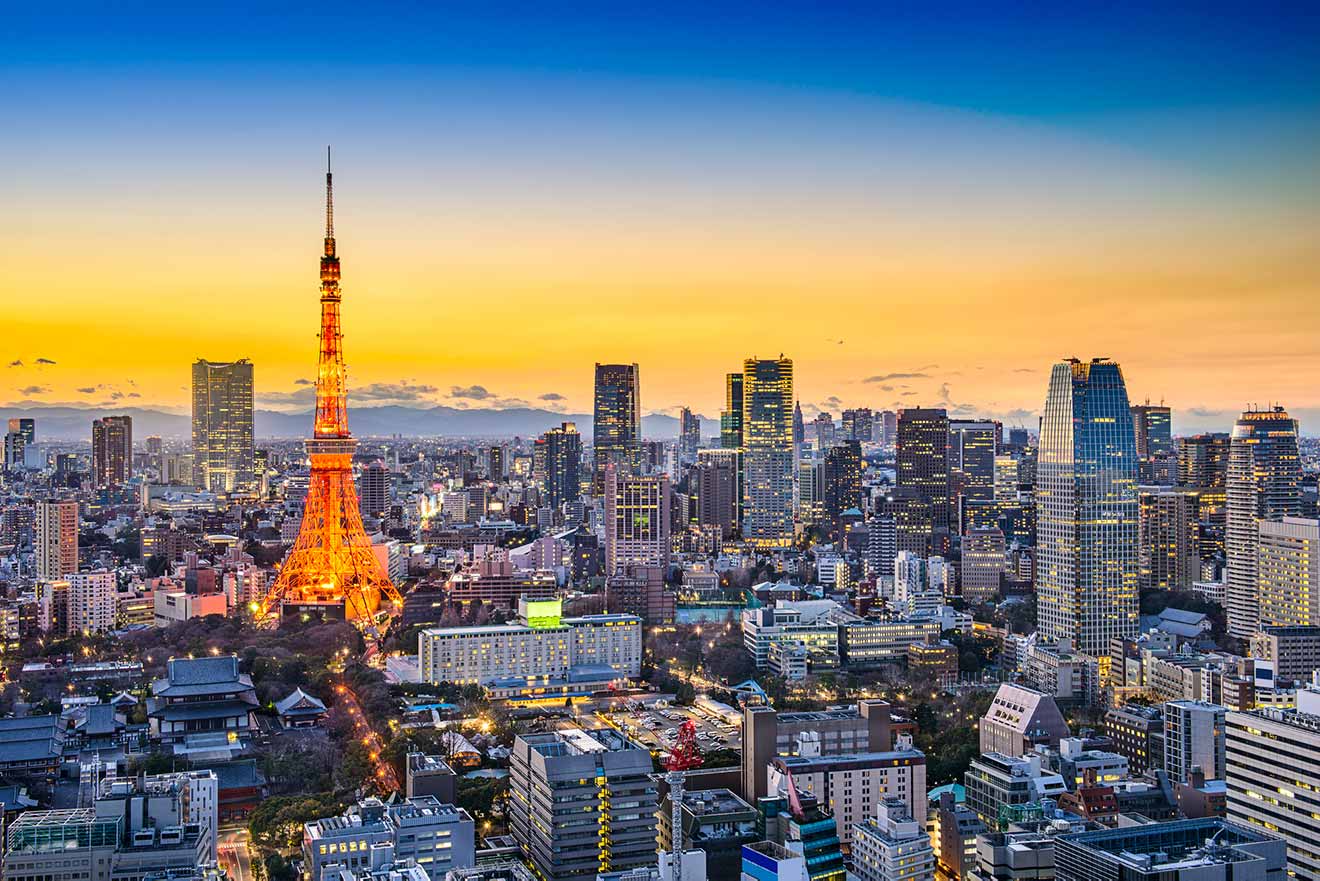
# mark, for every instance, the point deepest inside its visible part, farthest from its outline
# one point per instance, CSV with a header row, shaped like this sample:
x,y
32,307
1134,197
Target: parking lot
x,y
656,726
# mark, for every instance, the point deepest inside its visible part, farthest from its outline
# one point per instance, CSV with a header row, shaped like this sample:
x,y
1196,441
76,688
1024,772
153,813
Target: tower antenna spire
x,y
329,198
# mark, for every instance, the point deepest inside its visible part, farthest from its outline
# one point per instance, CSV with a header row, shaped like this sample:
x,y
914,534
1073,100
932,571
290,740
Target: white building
x,y
91,602
893,846
1194,736
543,645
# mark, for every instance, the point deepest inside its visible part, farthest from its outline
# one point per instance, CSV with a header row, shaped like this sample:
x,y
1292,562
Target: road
x,y
232,848
386,779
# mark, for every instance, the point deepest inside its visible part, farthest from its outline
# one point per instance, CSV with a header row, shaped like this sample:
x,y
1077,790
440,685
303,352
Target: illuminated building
x,y
973,448
331,567
858,424
1168,555
1203,461
582,803
21,435
1086,495
541,646
983,564
91,602
922,459
1193,738
767,413
843,482
56,538
1152,426
112,450
823,425
636,520
616,423
1288,572
1264,477
557,455
731,417
223,456
892,846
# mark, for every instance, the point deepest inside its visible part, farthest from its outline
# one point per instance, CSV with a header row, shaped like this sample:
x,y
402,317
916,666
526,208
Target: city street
x,y
232,848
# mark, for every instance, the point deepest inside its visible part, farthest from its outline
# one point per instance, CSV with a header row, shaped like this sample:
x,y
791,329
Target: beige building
x,y
1288,572
56,538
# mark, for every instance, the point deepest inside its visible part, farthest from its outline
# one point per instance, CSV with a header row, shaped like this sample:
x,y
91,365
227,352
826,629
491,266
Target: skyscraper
x,y
767,415
1086,493
1168,554
112,450
973,445
222,426
56,538
714,481
843,481
824,428
799,429
636,520
1152,427
1264,483
616,424
731,417
332,567
21,435
888,420
1203,461
1288,571
923,458
689,434
375,493
561,449
858,424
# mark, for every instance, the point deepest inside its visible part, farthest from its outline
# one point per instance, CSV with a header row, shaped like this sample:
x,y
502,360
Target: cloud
x,y
551,396
908,394
34,390
471,392
17,362
302,396
398,392
886,388
944,392
889,377
86,390
833,401
303,381
1023,370
134,395
42,361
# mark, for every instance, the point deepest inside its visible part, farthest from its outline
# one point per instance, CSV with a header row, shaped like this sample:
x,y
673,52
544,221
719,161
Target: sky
x,y
919,206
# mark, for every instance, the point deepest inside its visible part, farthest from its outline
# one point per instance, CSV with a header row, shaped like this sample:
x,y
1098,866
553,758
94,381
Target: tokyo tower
x,y
331,568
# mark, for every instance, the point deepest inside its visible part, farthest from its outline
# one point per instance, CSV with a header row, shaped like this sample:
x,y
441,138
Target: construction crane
x,y
683,757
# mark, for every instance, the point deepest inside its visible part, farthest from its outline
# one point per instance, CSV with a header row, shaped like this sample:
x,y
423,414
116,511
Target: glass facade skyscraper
x,y
1264,483
767,431
617,423
1087,520
222,431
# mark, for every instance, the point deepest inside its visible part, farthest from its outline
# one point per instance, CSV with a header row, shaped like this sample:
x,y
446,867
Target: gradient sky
x,y
919,207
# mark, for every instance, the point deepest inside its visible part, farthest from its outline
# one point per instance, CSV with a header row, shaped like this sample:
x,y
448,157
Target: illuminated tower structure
x,y
331,567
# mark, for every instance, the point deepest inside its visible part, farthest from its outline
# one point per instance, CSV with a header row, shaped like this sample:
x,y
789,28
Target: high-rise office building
x,y
374,489
1168,551
823,426
731,417
1288,572
1152,427
843,481
617,420
1272,755
1086,495
858,424
689,435
714,482
56,538
22,434
1264,483
1203,461
767,409
888,423
983,564
112,450
222,426
637,520
973,446
560,449
582,803
799,429
922,457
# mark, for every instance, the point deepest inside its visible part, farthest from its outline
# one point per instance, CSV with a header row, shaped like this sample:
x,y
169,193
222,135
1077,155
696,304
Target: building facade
x,y
222,432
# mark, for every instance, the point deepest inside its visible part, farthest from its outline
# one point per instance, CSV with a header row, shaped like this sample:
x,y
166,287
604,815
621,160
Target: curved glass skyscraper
x,y
1264,483
1086,497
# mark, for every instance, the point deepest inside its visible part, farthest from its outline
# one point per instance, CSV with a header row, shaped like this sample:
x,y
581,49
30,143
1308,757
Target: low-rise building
x,y
892,846
1181,850
437,837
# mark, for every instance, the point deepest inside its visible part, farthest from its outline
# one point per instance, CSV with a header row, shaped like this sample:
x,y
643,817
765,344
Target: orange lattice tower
x,y
331,567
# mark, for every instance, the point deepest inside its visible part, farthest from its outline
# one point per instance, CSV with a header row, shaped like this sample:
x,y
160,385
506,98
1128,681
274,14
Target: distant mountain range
x,y
74,423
